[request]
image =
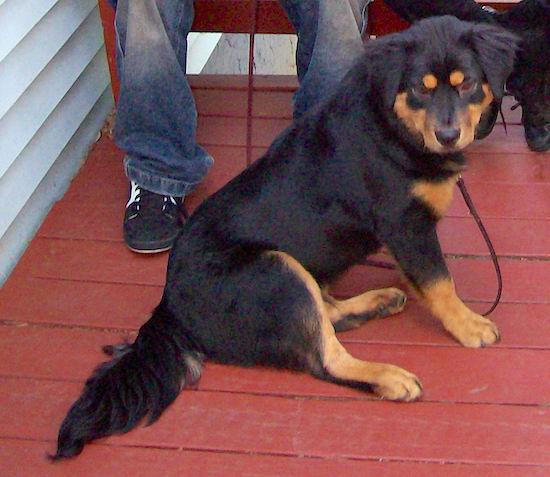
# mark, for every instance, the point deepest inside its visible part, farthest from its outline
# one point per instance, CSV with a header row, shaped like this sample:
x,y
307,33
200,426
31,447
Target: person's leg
x,y
329,41
156,119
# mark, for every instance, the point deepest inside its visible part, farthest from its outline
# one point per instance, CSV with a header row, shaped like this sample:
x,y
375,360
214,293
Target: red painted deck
x,y
485,412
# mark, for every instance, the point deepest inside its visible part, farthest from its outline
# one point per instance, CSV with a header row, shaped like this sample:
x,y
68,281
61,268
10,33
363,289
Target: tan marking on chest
x,y
436,194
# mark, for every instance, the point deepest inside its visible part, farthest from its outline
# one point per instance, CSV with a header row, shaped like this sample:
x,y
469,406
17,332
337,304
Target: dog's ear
x,y
496,51
387,64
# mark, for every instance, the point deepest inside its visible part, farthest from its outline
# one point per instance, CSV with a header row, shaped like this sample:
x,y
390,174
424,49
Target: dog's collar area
x,y
454,167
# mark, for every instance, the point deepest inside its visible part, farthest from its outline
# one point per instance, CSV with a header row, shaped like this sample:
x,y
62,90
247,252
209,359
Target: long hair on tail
x,y
141,381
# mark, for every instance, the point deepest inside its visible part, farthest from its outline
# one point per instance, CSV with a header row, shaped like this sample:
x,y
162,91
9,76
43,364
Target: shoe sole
x,y
152,251
151,247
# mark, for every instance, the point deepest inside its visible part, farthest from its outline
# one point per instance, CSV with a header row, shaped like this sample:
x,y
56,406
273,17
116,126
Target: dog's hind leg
x,y
329,360
386,380
353,312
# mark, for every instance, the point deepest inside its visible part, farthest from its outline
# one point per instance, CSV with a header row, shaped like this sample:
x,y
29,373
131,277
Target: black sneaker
x,y
151,221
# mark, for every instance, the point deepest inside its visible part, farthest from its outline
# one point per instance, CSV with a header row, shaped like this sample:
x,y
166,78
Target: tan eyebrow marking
x,y
430,81
456,78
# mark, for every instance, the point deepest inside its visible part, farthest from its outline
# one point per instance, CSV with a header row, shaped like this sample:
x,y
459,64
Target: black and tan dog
x,y
246,283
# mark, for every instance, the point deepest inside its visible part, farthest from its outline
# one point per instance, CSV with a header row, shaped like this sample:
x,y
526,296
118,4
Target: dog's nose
x,y
448,136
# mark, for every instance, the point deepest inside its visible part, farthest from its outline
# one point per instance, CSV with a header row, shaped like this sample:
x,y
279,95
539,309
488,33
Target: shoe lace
x,y
139,196
168,201
135,195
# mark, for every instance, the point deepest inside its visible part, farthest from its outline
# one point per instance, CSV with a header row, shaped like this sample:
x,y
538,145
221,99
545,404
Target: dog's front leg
x,y
418,253
468,327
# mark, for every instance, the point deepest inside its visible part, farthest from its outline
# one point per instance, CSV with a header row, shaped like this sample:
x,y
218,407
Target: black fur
x,y
331,189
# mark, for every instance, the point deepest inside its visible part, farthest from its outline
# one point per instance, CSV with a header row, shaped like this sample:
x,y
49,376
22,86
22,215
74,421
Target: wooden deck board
x,y
70,259
126,307
275,425
89,304
462,376
145,462
484,412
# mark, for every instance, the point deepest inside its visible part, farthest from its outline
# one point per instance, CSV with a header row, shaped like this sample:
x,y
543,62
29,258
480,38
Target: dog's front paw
x,y
474,331
397,384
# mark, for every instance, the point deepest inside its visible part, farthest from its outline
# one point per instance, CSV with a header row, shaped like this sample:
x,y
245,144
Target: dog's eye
x,y
467,86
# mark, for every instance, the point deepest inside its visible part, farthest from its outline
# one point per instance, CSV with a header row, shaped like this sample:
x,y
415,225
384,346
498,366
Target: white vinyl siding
x,y
54,96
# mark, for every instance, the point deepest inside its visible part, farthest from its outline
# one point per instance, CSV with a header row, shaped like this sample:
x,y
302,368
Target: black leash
x,y
494,258
477,218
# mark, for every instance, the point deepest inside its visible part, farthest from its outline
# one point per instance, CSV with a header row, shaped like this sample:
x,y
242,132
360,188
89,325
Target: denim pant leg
x,y
329,41
156,115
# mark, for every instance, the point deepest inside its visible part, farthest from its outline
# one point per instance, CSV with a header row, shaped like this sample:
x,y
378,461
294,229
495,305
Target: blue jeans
x,y
156,117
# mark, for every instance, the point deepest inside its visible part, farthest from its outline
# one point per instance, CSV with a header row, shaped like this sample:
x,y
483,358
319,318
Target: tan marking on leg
x,y
456,78
307,278
466,326
384,302
388,381
436,194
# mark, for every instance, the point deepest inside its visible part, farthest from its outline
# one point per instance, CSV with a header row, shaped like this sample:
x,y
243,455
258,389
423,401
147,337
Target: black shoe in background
x,y
151,221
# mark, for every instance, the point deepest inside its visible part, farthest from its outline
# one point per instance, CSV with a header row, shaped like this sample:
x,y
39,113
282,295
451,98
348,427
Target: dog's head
x,y
440,75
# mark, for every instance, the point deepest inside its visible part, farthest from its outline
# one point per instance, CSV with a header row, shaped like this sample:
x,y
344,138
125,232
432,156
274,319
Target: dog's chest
x,y
437,195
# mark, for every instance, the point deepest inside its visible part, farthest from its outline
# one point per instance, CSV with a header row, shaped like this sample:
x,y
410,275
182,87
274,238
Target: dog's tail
x,y
141,380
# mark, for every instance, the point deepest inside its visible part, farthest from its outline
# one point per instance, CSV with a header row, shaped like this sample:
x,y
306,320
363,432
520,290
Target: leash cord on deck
x,y
477,218
494,258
